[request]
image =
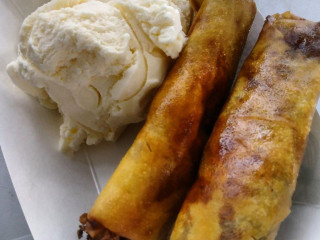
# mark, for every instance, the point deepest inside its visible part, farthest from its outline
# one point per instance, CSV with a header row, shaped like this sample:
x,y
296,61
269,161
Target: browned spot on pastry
x,y
226,213
201,192
170,184
305,39
186,129
232,188
184,167
226,220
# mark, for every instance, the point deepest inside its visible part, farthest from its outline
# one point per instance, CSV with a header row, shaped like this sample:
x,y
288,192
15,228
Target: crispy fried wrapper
x,y
251,162
145,193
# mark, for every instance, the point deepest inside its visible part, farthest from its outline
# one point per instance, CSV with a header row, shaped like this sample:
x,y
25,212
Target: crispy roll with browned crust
x,y
148,187
251,162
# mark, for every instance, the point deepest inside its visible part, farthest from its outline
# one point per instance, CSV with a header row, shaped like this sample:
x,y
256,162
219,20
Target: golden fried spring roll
x,y
148,187
251,162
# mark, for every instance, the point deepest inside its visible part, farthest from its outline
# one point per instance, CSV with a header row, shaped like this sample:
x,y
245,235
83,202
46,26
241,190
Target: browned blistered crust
x,y
145,193
251,162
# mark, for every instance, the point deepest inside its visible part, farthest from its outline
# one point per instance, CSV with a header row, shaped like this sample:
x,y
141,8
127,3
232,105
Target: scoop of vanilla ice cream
x,y
98,61
161,20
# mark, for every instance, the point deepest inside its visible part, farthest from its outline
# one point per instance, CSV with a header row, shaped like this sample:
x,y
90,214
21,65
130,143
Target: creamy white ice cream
x,y
98,61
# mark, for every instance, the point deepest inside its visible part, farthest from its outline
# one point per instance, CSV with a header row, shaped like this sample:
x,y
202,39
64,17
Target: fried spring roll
x,y
251,162
151,181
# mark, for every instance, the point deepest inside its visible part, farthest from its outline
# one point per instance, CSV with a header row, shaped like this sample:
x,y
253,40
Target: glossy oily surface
x,y
147,188
251,162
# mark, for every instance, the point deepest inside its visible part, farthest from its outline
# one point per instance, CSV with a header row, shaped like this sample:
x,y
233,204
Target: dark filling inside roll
x,y
95,231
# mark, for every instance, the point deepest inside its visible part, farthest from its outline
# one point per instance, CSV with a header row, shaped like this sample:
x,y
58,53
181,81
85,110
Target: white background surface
x,y
309,9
